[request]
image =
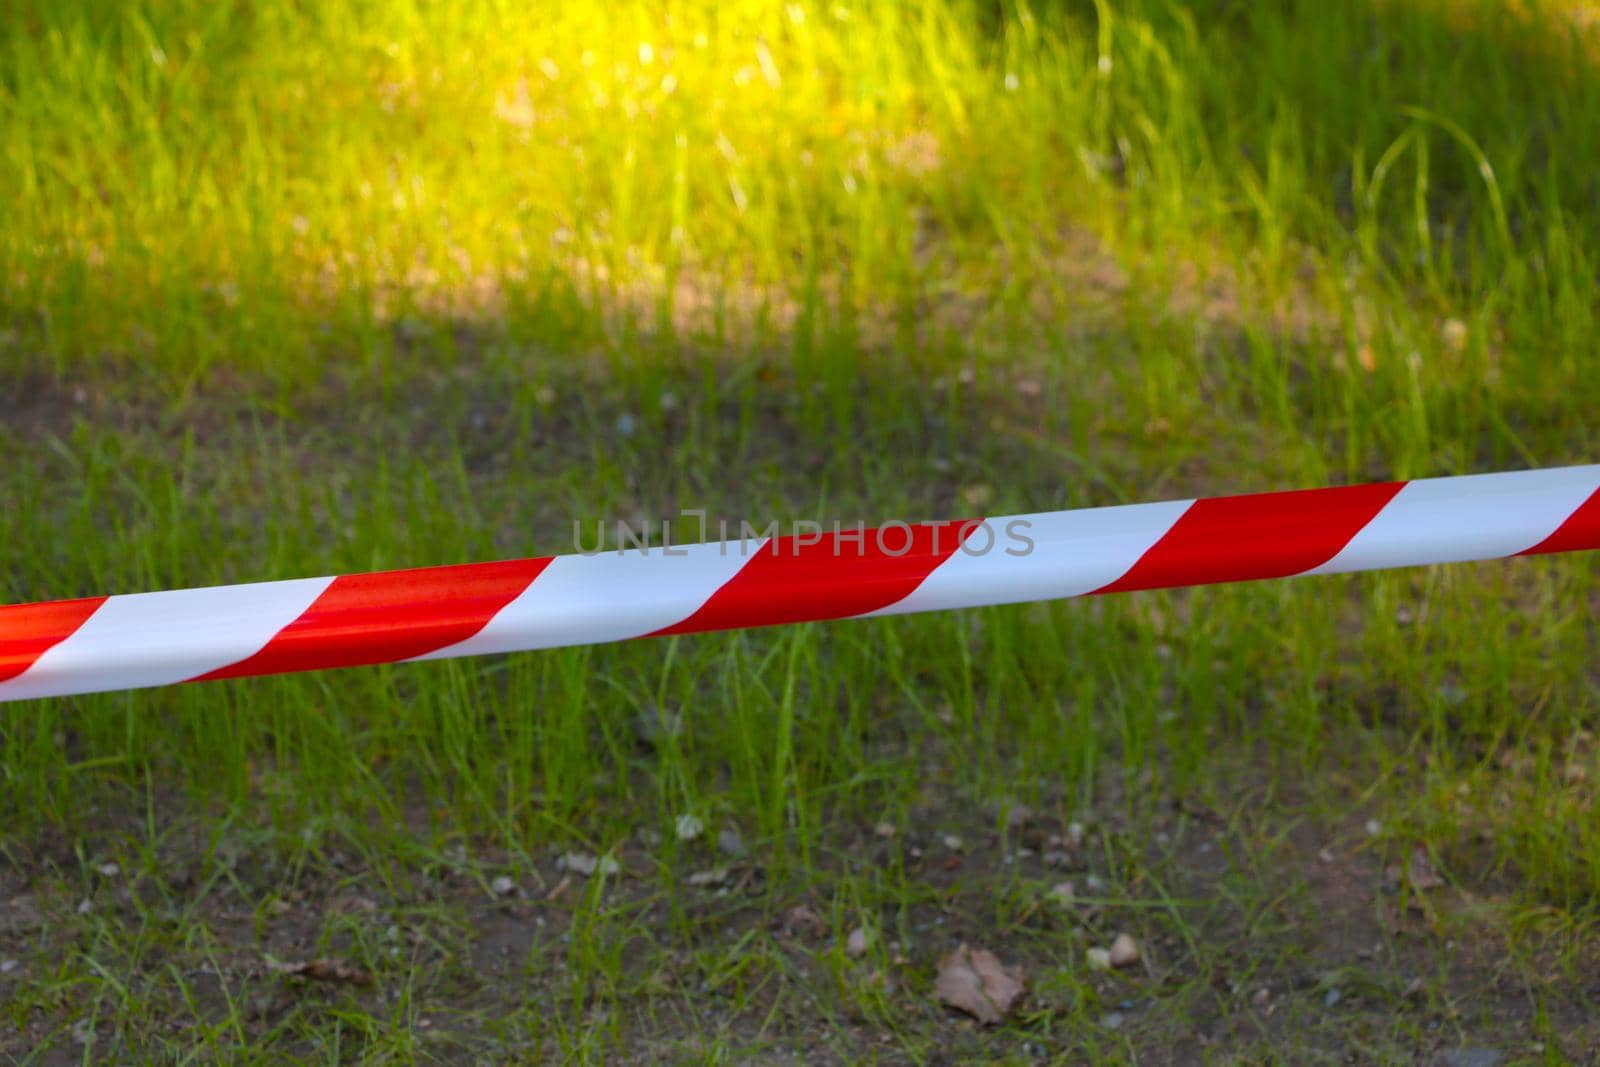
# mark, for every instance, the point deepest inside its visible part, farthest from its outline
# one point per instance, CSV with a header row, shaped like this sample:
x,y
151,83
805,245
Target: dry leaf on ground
x,y
802,921
1416,872
353,904
322,970
976,982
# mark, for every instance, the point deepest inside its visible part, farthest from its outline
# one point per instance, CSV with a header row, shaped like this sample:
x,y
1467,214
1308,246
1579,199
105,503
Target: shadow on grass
x,y
1212,741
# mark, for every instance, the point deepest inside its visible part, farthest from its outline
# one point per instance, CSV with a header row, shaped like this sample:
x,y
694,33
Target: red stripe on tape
x,y
1260,535
790,579
394,615
1580,531
27,631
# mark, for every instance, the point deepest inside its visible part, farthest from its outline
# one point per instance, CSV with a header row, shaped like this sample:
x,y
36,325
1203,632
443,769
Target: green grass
x,y
303,289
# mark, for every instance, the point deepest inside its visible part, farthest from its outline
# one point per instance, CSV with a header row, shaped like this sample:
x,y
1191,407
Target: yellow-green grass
x,y
301,289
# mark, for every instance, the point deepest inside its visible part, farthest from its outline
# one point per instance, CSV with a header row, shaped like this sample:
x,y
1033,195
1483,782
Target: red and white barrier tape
x,y
149,639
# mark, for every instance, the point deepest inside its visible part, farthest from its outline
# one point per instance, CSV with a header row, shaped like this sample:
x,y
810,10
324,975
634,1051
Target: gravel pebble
x,y
586,865
1472,1057
1124,952
715,876
731,844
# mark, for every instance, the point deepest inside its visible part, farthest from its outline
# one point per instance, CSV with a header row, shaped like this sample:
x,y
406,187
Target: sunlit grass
x,y
355,160
198,185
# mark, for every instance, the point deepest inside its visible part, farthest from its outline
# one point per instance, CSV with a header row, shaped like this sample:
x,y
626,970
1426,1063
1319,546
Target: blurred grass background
x,y
250,185
290,289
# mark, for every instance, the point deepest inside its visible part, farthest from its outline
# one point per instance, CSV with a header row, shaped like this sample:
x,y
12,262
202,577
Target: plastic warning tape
x,y
131,641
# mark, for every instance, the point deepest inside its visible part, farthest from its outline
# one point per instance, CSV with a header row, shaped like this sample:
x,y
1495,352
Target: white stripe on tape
x,y
611,596
145,639
1470,517
1071,553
